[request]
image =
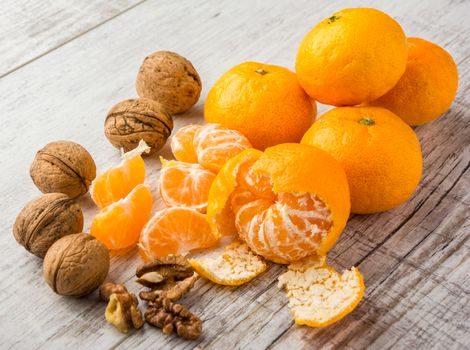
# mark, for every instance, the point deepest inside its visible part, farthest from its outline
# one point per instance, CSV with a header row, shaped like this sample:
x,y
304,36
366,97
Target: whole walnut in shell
x,y
63,166
130,121
76,265
170,79
46,219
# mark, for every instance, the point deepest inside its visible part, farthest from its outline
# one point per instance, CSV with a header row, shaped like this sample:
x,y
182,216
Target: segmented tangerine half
x,y
116,182
176,230
215,145
182,143
287,203
118,225
185,184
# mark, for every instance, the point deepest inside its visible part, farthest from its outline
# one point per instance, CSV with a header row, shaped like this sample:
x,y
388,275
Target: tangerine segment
x,y
119,224
176,230
304,212
235,265
182,143
116,182
219,212
320,296
215,145
185,184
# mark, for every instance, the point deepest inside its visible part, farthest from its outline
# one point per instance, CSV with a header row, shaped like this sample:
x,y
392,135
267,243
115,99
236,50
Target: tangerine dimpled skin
x,y
264,102
427,88
380,154
354,56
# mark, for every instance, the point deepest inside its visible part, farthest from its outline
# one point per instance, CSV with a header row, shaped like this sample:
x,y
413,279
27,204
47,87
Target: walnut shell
x,y
130,121
170,79
63,166
76,265
46,219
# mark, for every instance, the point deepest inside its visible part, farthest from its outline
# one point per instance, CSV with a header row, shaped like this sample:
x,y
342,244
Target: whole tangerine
x,y
264,102
380,154
355,55
427,88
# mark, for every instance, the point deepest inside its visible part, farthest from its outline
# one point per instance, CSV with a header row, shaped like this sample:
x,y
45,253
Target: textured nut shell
x,y
46,219
170,79
63,166
130,121
76,265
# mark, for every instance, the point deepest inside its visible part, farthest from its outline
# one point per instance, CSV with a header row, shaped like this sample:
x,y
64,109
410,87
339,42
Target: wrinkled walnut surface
x,y
63,166
164,271
170,79
76,265
46,219
133,120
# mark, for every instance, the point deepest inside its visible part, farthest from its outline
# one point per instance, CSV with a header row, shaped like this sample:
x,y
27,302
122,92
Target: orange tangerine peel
x,y
307,214
319,296
232,265
118,225
185,184
116,182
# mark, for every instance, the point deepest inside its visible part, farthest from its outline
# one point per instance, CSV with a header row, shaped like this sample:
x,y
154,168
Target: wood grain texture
x,y
415,258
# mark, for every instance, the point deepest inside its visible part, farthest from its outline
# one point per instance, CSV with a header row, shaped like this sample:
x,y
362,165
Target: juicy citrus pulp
x,y
319,296
116,182
185,184
215,145
118,225
232,265
286,203
182,143
176,230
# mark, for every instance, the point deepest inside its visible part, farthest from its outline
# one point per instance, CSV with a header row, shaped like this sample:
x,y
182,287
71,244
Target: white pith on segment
x,y
215,145
319,296
175,144
234,265
195,185
283,228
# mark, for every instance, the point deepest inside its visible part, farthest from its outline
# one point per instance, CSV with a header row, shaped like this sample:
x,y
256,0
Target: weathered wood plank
x,y
414,258
30,29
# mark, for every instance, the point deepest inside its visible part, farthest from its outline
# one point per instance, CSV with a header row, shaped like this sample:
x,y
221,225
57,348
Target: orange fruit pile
x,y
286,203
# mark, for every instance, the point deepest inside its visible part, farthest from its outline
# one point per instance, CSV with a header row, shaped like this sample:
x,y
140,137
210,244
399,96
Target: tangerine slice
x,y
185,184
116,182
176,230
319,295
286,203
233,265
182,143
118,225
215,145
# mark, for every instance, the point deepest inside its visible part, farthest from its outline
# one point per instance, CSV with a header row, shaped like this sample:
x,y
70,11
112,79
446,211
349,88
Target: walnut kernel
x,y
76,265
63,166
170,79
130,121
46,219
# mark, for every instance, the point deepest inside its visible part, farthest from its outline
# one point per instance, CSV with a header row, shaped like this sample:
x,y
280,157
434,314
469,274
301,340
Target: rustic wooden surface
x,y
63,64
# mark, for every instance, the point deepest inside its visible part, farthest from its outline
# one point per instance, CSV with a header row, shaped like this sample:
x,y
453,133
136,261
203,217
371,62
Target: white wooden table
x,y
63,64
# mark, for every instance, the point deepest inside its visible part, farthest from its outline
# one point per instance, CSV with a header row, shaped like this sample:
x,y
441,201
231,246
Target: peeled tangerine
x,y
231,265
116,182
287,203
118,225
176,230
185,184
318,295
